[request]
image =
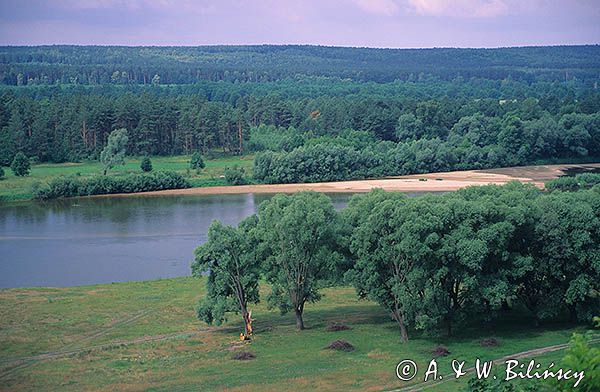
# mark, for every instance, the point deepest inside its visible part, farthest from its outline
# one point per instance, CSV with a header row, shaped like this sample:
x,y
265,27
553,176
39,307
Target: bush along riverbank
x,y
72,186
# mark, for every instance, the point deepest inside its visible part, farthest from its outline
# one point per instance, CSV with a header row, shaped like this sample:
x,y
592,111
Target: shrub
x,y
57,187
583,356
20,165
104,185
196,162
235,175
146,165
580,181
1,173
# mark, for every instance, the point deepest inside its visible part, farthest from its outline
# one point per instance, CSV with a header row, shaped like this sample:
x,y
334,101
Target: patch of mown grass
x,y
101,321
14,188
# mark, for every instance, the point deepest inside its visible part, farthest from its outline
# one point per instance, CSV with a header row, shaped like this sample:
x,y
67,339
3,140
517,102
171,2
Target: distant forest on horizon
x,y
259,63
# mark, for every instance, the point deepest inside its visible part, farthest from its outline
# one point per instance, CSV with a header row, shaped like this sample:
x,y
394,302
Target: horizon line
x,y
303,44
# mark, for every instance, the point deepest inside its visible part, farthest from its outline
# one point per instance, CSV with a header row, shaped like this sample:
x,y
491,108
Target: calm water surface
x,y
87,241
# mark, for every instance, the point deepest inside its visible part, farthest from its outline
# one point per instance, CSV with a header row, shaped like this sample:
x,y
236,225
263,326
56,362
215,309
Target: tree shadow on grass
x,y
314,319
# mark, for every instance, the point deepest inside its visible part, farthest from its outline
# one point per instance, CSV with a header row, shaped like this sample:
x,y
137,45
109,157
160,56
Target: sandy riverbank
x,y
430,182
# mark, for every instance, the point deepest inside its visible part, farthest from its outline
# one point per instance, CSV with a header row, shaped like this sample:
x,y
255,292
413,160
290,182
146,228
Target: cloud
x,y
380,7
460,8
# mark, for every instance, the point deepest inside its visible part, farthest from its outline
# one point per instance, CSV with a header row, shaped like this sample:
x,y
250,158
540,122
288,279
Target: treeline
x,y
433,262
73,186
94,65
70,126
428,144
574,183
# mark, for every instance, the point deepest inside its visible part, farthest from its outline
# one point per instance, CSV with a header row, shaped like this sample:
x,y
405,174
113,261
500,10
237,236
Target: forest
x,y
344,113
97,65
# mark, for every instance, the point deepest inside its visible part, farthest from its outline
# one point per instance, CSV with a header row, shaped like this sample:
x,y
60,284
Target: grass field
x,y
145,336
19,188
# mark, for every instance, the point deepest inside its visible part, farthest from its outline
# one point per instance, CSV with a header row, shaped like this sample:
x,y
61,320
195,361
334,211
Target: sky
x,y
371,23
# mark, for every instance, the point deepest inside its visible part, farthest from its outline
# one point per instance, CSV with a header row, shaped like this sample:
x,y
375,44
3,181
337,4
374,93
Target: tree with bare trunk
x,y
391,247
298,232
230,259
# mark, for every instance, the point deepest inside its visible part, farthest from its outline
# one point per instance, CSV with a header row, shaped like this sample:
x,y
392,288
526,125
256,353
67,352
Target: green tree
x,y
196,161
230,259
567,250
20,165
298,232
146,164
114,152
392,248
235,175
1,173
409,127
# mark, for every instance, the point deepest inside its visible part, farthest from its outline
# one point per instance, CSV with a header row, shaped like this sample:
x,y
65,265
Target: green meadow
x,y
145,336
19,188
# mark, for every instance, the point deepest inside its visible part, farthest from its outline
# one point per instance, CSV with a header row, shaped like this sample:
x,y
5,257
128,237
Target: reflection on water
x,y
87,241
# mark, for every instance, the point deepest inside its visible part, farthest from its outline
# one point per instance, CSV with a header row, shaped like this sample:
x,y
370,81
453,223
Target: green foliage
x,y
271,138
70,186
146,164
581,356
485,385
235,175
313,163
298,233
567,256
196,161
114,152
20,165
140,65
580,181
230,259
392,246
446,260
2,174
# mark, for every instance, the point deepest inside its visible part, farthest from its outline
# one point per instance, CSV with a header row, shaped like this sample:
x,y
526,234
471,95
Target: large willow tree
x,y
230,260
298,232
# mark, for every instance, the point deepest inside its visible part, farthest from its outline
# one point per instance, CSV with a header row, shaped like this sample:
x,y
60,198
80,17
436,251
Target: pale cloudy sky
x,y
374,23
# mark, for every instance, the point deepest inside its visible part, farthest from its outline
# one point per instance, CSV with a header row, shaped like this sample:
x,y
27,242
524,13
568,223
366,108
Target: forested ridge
x,y
312,113
182,65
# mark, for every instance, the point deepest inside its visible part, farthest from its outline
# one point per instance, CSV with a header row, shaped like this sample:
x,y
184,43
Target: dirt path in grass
x,y
451,377
430,182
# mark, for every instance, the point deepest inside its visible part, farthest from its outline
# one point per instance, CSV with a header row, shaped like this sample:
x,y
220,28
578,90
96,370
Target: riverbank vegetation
x,y
434,262
21,188
60,187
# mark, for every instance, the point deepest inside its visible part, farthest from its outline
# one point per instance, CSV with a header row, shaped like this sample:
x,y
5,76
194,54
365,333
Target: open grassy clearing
x,y
19,188
144,335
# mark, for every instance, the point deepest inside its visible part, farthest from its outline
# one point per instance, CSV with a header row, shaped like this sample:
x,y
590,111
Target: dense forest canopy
x,y
364,112
182,65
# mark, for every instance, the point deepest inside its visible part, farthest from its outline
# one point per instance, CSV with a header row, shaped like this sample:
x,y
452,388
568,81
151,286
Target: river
x,y
101,240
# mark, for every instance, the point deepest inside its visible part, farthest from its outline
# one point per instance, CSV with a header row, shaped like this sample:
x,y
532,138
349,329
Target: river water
x,y
101,240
